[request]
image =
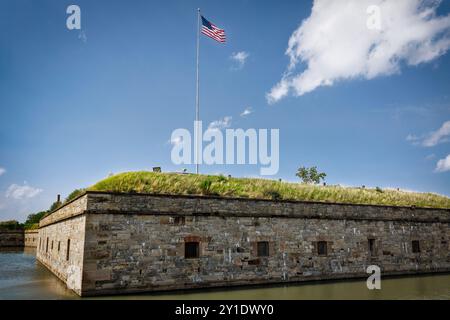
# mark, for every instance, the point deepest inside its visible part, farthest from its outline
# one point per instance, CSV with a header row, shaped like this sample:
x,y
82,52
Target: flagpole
x,y
197,99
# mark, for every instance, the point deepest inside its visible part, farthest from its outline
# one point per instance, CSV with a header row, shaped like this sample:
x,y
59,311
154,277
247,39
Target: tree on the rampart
x,y
310,175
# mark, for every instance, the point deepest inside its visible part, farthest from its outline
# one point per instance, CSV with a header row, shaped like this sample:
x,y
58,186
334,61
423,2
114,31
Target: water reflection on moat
x,y
22,277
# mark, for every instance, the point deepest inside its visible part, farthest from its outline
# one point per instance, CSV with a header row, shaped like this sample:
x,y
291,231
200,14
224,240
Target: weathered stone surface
x,y
11,238
61,249
129,243
71,209
100,202
31,238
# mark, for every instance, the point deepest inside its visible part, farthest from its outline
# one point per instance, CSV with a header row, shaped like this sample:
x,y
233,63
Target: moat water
x,y
22,277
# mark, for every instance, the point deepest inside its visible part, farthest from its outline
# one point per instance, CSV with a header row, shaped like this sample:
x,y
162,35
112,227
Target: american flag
x,y
210,30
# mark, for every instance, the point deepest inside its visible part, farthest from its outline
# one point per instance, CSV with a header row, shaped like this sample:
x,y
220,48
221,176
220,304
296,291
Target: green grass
x,y
189,184
33,226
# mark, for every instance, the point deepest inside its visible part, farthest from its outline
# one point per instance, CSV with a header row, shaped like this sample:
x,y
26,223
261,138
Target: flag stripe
x,y
214,37
217,31
213,34
212,31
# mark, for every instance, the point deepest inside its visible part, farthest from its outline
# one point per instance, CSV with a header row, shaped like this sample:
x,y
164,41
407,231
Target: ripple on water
x,y
22,277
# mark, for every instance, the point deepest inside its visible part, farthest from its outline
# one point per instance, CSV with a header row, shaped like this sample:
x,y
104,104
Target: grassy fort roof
x,y
189,184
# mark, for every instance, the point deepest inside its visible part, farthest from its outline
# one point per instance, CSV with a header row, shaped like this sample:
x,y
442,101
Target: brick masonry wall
x,y
11,238
31,238
135,243
64,259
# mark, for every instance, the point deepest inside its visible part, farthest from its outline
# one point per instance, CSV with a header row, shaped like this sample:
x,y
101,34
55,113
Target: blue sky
x,y
76,105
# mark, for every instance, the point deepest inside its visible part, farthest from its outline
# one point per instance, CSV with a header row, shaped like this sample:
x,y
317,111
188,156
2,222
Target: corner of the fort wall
x,y
124,243
31,238
137,242
61,243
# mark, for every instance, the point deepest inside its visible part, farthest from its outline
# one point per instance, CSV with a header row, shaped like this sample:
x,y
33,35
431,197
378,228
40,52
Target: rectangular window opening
x,y
322,249
68,250
263,248
179,220
191,250
415,246
371,246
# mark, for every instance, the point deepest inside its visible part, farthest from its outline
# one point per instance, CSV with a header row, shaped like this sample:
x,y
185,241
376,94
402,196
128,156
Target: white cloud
x,y
280,90
439,136
246,112
220,124
22,192
2,171
430,156
433,138
443,164
412,138
335,43
240,58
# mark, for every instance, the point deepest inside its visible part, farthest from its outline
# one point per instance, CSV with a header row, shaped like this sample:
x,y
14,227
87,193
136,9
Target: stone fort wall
x,y
11,238
127,243
19,238
31,238
61,249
